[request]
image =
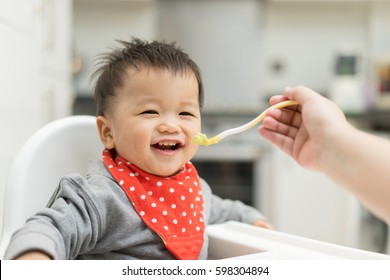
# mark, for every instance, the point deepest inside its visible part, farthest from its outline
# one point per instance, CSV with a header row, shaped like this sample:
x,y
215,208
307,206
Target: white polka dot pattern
x,y
172,207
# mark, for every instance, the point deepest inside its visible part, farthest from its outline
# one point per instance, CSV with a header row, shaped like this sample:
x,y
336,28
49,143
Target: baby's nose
x,y
169,127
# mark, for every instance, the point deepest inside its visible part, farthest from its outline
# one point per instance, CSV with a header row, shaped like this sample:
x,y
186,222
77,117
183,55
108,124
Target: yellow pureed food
x,y
201,139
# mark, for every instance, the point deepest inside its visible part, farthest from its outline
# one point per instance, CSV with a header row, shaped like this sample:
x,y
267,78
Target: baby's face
x,y
154,117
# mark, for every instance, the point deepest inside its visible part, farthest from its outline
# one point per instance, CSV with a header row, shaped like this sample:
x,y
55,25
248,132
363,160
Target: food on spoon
x,y
201,139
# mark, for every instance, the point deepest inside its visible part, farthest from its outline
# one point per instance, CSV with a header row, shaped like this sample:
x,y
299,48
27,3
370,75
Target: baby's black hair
x,y
138,54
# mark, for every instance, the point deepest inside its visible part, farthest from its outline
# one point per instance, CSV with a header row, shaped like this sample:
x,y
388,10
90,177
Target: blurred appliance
x,y
232,171
347,85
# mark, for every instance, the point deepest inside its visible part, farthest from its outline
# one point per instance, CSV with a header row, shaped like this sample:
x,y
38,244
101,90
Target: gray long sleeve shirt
x,y
92,218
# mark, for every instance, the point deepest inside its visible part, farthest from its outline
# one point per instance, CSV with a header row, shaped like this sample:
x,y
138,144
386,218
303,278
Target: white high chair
x,y
61,147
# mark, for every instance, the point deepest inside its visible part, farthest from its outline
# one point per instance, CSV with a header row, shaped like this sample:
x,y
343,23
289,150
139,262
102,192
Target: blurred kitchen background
x,y
248,50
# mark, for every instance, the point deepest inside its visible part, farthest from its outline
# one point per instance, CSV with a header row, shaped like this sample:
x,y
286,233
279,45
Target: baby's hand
x,y
263,224
33,255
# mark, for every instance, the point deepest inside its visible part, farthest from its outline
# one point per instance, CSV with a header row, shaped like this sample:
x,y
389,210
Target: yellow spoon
x,y
201,139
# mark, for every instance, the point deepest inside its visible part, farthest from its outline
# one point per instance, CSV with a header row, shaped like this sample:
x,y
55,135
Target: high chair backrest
x,y
61,147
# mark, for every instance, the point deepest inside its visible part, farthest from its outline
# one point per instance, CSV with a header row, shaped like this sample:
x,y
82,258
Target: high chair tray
x,y
236,240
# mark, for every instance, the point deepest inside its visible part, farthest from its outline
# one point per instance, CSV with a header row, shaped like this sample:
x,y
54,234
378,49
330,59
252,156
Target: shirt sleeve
x,y
218,210
69,225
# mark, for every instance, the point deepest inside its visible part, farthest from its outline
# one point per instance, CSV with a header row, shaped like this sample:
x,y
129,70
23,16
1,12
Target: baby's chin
x,y
162,172
167,174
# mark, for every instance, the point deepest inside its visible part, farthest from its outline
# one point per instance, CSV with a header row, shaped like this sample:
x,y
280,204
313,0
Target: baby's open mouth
x,y
167,146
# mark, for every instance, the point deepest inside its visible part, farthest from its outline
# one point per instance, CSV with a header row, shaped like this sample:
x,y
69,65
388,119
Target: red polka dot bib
x,y
170,206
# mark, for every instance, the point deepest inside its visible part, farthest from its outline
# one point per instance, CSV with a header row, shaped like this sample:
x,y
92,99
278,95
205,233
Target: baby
x,y
144,200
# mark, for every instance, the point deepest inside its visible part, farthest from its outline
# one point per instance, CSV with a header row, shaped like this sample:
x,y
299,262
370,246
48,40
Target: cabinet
x,y
308,204
36,82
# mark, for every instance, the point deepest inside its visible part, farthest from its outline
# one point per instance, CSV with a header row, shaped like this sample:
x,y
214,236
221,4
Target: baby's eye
x,y
185,114
149,112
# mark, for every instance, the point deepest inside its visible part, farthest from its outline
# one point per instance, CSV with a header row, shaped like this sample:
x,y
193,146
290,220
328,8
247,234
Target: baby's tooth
x,y
167,143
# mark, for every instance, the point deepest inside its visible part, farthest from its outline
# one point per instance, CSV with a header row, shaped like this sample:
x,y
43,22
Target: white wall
x,y
379,27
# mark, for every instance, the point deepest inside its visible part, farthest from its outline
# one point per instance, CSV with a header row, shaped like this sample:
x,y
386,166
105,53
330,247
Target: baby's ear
x,y
104,129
